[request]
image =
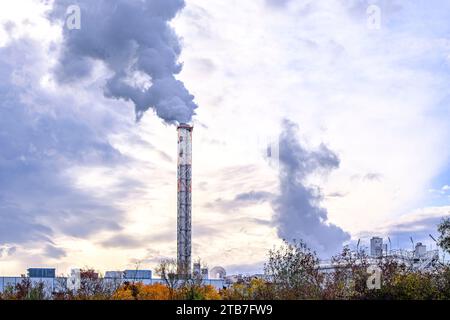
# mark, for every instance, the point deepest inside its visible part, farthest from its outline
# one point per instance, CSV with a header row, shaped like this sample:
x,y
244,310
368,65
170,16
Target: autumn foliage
x,y
291,273
159,291
140,291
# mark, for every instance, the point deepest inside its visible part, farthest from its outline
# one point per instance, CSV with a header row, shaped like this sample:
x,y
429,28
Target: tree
x,y
347,280
443,282
140,291
444,237
249,289
294,271
25,290
194,291
410,285
168,271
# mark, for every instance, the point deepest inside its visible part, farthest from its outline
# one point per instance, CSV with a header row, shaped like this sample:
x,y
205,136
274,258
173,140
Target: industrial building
x,y
53,283
376,247
41,273
184,199
419,259
129,274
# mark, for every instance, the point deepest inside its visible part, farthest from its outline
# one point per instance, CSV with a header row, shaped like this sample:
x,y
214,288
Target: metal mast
x,y
184,208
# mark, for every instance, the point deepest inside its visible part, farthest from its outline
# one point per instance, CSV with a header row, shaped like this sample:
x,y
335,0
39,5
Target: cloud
x,y
298,211
135,41
373,177
250,269
42,136
54,252
418,224
241,200
17,226
123,241
378,97
420,219
7,251
443,191
129,241
336,195
205,66
152,257
368,177
253,196
278,3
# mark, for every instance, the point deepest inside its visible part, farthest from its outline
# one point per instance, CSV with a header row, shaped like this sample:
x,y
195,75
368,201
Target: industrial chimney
x,y
184,207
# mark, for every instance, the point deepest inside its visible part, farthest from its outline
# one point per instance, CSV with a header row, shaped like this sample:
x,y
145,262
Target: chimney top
x,y
185,126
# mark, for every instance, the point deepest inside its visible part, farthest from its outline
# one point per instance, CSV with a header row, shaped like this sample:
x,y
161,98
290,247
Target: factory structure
x,y
184,200
417,259
53,283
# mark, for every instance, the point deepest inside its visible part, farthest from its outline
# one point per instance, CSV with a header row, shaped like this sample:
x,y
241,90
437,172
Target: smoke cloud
x,y
134,40
298,214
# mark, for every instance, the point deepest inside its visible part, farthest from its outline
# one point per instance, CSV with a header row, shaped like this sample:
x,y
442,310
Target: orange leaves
x,y
158,291
140,291
210,293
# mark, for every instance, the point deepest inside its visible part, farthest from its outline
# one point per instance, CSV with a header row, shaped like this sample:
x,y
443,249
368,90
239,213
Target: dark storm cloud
x,y
41,137
135,41
298,211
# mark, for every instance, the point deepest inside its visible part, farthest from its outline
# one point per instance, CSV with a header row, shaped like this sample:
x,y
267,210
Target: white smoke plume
x,y
298,211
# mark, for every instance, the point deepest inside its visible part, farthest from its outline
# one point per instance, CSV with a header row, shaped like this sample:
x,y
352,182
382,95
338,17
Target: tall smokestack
x,y
184,207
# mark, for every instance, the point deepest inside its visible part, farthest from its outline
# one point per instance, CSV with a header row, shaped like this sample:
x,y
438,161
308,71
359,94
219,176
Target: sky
x,y
351,97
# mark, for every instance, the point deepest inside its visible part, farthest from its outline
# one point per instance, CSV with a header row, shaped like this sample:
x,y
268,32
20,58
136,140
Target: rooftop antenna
x,y
431,236
413,249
